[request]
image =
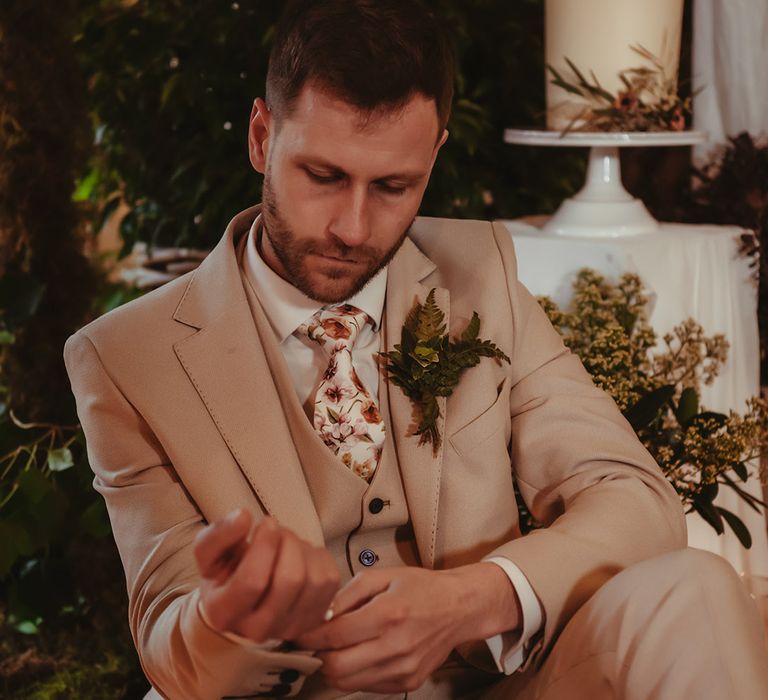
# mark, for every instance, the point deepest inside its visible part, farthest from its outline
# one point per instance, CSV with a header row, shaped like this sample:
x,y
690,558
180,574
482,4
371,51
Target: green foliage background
x,y
172,84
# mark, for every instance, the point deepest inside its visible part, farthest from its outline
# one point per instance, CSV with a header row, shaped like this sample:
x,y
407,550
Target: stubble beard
x,y
332,287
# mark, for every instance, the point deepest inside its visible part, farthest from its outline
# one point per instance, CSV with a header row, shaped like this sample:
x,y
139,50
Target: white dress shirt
x,y
286,309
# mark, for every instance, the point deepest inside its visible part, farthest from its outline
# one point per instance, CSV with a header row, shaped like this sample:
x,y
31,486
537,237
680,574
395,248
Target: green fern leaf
x,y
430,319
473,328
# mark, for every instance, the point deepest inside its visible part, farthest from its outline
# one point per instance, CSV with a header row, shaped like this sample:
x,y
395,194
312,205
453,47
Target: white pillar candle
x,y
596,35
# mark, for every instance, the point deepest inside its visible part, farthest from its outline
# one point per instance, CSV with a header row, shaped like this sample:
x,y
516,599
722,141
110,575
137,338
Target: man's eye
x,y
322,179
389,189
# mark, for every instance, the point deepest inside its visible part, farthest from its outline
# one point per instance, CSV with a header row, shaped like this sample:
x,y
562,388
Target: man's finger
x,y
218,546
322,582
276,607
364,623
358,591
243,589
366,666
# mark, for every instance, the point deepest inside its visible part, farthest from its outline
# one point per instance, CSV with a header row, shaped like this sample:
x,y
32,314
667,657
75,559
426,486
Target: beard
x,y
335,284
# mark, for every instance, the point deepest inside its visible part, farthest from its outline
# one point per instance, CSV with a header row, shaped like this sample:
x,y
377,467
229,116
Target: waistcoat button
x,y
368,557
376,505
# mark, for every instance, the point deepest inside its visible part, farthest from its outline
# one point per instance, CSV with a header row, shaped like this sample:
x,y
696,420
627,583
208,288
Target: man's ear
x,y
259,131
438,146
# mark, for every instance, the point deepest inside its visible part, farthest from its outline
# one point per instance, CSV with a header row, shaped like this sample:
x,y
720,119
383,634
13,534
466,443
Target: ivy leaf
x,y
95,520
60,460
14,541
33,485
29,626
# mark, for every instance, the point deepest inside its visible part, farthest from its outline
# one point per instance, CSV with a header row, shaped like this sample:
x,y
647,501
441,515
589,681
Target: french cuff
x,y
508,649
268,645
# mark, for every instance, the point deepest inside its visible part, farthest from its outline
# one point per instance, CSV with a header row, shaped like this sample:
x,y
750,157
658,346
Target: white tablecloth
x,y
692,271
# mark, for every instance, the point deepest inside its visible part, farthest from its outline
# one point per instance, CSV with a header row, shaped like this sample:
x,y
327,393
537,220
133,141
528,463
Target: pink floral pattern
x,y
346,417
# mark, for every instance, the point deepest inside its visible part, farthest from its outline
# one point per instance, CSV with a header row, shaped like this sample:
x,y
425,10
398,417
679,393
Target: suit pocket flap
x,y
486,425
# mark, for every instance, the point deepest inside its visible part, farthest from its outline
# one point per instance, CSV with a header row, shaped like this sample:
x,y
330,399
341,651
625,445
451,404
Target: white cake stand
x,y
603,208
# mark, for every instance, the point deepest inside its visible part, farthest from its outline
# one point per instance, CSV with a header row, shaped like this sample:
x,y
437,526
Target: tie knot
x,y
336,327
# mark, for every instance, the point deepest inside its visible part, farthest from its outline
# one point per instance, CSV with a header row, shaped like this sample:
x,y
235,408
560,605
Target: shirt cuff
x,y
508,649
267,645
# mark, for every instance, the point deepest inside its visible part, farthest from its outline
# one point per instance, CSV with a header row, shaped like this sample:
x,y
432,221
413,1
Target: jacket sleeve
x,y
154,523
602,500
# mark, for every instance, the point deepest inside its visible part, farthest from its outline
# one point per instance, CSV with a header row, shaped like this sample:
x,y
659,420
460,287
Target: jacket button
x,y
376,505
289,675
368,557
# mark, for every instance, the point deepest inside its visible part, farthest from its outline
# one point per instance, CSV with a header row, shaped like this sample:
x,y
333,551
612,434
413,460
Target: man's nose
x,y
351,224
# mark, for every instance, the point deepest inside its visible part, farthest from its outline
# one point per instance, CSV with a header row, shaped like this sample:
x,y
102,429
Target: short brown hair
x,y
373,54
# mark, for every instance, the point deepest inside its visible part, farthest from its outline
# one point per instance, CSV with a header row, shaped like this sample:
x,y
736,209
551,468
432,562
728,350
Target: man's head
x,y
358,96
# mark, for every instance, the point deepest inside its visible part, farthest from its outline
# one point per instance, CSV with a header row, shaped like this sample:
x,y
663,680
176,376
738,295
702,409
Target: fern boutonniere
x,y
427,363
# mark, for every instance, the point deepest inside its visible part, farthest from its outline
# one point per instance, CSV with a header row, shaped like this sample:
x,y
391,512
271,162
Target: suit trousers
x,y
675,627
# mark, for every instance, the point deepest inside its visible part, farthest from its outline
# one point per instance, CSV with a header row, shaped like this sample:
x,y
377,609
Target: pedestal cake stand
x,y
603,208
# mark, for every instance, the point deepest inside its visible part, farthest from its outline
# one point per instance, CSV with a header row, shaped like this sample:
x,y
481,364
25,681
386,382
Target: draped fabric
x,y
730,61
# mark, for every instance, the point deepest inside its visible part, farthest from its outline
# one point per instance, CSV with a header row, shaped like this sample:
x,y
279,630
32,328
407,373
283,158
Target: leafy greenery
x,y
427,363
171,106
53,526
46,283
658,388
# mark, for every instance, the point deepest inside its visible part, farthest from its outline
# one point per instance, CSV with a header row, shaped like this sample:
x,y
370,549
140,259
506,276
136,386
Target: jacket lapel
x,y
228,367
420,468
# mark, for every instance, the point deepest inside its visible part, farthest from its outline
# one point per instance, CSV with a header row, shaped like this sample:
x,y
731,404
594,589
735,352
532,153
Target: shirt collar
x,y
285,306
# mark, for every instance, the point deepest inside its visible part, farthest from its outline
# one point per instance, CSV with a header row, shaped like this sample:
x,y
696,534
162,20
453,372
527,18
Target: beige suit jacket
x,y
183,424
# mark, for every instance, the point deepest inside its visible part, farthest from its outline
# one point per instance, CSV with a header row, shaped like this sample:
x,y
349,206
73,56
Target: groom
x,y
282,529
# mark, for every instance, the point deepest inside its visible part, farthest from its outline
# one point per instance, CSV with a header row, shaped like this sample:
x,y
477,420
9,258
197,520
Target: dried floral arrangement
x,y
658,392
649,101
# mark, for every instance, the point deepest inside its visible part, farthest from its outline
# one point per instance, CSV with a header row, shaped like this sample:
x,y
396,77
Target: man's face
x,y
339,194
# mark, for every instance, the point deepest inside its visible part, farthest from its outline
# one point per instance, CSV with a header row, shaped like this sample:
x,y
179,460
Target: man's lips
x,y
337,260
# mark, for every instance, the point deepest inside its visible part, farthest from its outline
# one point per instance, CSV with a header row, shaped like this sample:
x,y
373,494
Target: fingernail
x,y
234,515
328,615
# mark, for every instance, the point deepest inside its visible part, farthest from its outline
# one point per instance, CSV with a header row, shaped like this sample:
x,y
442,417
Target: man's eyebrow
x,y
317,161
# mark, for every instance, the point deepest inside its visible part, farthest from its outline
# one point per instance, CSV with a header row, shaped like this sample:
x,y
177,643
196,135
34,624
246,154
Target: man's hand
x,y
273,586
393,627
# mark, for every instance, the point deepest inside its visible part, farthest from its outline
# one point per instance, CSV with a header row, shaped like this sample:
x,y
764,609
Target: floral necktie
x,y
346,417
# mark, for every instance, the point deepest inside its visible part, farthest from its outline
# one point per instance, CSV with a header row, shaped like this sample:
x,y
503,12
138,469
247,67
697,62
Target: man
x,y
282,529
